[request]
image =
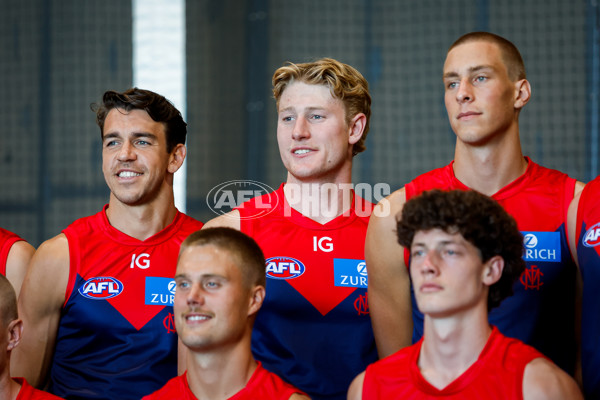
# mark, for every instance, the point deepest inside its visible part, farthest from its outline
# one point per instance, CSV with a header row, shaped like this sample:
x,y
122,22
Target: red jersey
x,y
263,385
314,328
497,374
588,254
541,311
7,239
116,337
28,392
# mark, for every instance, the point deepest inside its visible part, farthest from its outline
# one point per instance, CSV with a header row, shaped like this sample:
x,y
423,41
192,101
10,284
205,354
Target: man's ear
x,y
15,332
492,270
357,128
522,93
256,300
176,158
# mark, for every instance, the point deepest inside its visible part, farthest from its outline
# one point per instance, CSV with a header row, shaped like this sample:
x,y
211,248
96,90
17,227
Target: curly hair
x,y
478,219
158,107
344,81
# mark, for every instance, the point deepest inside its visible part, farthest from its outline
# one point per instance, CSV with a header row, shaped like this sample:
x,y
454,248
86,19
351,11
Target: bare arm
x,y
389,283
229,220
572,237
545,381
572,226
16,264
356,387
40,302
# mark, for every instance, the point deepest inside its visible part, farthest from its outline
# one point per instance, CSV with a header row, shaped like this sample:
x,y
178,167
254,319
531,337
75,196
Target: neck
x,y
490,167
451,346
321,202
141,221
9,389
218,375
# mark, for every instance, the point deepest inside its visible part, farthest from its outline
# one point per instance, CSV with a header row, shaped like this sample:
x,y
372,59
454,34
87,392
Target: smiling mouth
x,y
197,318
128,174
302,151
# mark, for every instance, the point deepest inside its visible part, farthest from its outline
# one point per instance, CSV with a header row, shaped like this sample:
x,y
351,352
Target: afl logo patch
x,y
592,236
101,288
284,268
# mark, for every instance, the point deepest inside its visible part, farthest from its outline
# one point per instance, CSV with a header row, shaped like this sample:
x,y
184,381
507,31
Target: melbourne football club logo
x,y
101,288
592,236
284,268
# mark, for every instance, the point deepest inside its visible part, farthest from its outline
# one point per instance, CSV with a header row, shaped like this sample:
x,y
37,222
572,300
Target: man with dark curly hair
x,y
465,254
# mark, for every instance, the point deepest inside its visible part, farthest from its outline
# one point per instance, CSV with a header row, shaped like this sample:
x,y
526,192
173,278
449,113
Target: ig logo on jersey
x,y
101,288
592,236
284,268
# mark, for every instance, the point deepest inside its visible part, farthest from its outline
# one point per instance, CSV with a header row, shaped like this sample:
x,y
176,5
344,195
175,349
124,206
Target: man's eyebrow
x,y
112,135
477,68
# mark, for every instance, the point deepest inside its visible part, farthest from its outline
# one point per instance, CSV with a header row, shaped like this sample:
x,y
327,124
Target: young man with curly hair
x,y
466,253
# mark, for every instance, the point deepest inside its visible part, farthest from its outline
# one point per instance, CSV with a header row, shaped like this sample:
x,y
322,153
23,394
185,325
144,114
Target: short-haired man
x,y
466,253
220,282
15,254
314,329
485,90
11,329
97,298
584,237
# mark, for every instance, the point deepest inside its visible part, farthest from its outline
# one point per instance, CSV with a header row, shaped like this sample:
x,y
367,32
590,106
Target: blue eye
x,y
183,285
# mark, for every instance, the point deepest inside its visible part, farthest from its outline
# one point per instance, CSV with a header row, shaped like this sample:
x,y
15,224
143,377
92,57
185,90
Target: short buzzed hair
x,y
510,54
8,302
249,256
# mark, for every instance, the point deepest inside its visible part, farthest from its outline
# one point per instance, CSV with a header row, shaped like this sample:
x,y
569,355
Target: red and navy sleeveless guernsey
x,y
7,239
314,328
28,392
116,337
496,375
541,311
588,253
263,385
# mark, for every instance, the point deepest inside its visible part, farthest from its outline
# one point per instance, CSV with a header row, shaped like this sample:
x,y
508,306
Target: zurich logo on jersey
x,y
350,273
101,288
542,246
592,236
284,268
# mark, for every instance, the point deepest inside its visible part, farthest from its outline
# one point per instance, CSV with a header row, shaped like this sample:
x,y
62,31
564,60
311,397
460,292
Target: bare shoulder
x,y
544,380
229,220
298,396
579,187
48,273
356,387
17,262
21,251
381,233
389,207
